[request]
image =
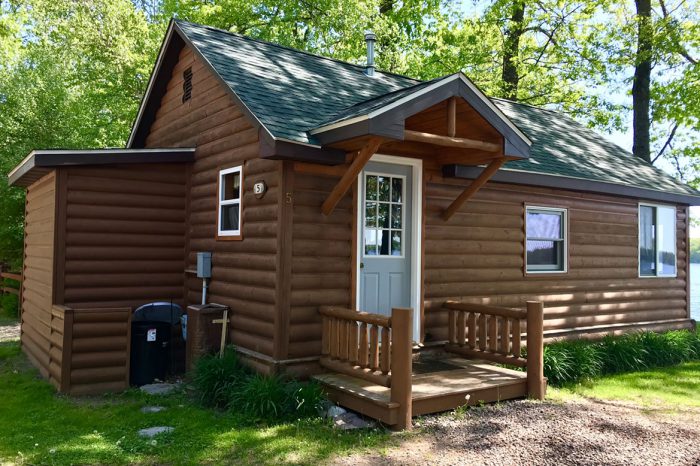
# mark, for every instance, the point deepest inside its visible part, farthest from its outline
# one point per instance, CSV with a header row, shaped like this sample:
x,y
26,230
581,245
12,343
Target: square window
x,y
229,205
545,240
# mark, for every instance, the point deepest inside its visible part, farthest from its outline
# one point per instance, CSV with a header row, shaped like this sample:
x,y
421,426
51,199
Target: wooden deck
x,y
440,383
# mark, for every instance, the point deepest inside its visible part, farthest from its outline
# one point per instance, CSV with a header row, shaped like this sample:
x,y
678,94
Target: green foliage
x,y
38,427
9,305
572,361
225,383
214,378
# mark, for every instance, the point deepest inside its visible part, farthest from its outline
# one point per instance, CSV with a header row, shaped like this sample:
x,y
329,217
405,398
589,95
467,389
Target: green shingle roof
x,y
292,92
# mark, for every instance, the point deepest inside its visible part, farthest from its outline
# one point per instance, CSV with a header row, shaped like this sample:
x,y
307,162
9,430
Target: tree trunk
x,y
641,120
511,47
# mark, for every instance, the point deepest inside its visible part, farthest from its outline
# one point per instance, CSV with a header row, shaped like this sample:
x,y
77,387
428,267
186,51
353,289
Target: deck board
x,y
467,382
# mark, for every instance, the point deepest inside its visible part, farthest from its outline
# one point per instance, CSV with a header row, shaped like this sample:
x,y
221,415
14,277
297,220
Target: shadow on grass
x,y
39,426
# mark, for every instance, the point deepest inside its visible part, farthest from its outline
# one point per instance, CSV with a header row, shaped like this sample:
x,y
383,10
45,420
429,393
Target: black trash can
x,y
150,351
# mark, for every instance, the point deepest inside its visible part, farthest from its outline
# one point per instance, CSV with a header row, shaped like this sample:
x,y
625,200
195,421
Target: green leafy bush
x,y
572,361
225,383
214,378
9,305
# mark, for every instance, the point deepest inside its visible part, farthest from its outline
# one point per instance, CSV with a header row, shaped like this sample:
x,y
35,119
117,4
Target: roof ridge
x,y
292,49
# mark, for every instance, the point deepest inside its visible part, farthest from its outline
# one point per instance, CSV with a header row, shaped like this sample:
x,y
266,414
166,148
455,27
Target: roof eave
x,y
521,177
388,121
47,159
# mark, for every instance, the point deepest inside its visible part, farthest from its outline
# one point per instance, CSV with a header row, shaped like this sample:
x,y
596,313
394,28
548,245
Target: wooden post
x,y
224,327
67,351
535,349
402,365
452,117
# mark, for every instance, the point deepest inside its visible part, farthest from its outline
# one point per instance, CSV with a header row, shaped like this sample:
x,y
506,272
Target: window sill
x,y
229,238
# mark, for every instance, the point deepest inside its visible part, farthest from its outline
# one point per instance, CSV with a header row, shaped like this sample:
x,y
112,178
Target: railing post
x,y
402,365
535,349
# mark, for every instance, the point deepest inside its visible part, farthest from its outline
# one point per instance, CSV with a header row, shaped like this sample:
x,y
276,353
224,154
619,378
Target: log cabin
x,y
354,217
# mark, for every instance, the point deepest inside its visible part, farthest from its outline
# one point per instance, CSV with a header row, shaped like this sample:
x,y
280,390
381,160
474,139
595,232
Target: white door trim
x,y
416,232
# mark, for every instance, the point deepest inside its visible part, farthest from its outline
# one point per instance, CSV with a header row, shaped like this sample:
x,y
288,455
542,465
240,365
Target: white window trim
x,y
565,227
220,202
656,238
403,211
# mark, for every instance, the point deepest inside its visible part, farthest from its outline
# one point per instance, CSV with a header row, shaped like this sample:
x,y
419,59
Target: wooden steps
x,y
454,383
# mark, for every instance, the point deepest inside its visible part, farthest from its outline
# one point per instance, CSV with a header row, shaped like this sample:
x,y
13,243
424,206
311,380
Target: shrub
x,y
622,354
227,384
214,378
572,361
9,305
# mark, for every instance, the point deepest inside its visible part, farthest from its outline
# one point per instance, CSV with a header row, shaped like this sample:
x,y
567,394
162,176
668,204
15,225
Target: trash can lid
x,y
158,312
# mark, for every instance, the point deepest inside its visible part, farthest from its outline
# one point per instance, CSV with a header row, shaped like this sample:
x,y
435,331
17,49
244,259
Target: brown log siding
x,y
37,286
124,235
244,272
478,256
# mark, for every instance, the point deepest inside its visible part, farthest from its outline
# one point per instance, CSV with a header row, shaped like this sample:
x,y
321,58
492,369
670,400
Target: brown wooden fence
x,y
495,334
6,288
373,347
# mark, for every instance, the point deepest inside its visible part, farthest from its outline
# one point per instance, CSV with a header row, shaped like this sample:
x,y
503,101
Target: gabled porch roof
x,y
386,115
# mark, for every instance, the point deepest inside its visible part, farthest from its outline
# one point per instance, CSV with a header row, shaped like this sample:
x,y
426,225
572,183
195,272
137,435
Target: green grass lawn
x,y
39,427
666,388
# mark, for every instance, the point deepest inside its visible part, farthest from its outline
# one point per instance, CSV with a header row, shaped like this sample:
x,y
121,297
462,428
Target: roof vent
x,y
370,38
187,85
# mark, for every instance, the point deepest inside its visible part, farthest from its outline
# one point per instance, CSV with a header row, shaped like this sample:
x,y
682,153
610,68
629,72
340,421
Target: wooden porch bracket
x,y
485,175
350,175
447,141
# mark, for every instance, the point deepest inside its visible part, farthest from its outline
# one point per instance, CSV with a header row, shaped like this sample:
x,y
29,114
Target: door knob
x,y
362,265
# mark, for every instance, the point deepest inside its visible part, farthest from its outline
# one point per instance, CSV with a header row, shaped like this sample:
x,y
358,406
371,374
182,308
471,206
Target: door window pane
x,y
371,214
371,188
396,190
384,185
383,222
545,240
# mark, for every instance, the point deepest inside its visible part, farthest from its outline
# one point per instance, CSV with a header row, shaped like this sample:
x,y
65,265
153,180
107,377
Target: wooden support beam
x,y
473,187
447,141
452,117
350,175
477,158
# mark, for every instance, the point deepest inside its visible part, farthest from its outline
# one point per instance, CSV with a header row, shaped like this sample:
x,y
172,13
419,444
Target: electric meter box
x,y
204,264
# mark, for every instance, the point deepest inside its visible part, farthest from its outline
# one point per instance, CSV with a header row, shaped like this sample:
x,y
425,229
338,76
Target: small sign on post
x,y
224,326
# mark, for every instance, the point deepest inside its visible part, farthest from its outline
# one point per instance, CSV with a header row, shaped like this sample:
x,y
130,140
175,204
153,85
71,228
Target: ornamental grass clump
x,y
573,361
225,383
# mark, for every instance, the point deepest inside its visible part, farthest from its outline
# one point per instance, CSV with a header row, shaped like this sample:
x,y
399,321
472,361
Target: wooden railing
x,y
495,334
7,288
373,347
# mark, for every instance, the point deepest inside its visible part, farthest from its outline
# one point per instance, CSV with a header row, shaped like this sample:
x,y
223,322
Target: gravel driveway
x,y
580,432
9,332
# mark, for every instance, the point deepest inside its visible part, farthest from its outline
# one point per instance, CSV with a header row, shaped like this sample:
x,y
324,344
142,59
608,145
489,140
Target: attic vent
x,y
187,85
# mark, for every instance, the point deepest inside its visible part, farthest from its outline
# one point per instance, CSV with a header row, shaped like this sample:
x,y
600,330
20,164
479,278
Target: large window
x,y
657,241
230,181
545,240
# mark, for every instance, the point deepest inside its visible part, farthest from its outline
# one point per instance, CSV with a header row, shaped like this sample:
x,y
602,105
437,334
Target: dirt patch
x,y
9,331
580,432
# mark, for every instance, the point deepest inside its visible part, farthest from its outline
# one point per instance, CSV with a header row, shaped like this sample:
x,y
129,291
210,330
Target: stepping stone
x,y
349,421
153,431
152,409
159,388
335,411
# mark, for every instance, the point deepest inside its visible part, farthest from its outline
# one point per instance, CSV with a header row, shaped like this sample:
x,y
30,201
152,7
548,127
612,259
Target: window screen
x,y
545,239
657,241
230,201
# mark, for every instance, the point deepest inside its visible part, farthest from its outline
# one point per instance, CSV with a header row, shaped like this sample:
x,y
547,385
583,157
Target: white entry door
x,y
386,229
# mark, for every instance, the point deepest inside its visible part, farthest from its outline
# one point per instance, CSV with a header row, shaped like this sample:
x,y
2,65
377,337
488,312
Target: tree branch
x,y
667,143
